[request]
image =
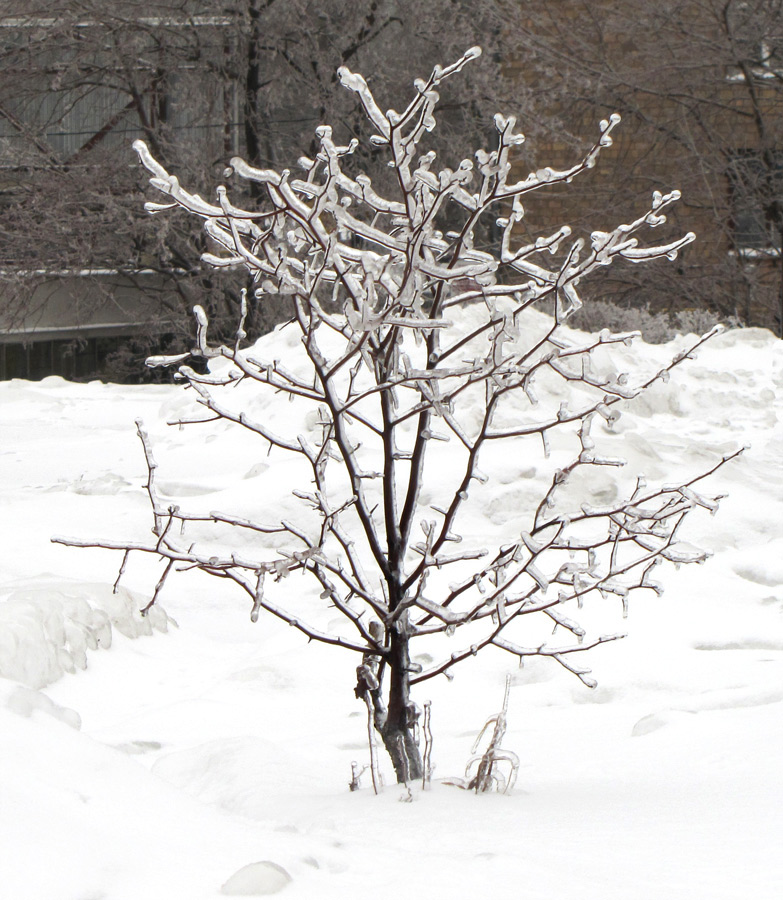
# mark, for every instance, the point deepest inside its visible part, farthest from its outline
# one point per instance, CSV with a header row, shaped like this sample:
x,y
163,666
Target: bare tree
x,y
417,354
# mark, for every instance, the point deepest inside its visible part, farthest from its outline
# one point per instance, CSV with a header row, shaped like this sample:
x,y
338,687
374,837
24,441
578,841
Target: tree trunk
x,y
399,729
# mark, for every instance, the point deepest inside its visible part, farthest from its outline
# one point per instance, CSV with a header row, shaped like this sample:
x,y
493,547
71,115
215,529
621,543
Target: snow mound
x,y
217,772
108,484
257,880
47,629
763,564
30,704
653,722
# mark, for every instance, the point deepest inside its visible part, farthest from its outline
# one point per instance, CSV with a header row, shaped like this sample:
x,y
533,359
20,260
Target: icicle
x,y
259,596
545,442
527,386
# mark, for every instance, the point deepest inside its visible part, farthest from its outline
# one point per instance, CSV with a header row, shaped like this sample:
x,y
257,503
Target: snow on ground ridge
x,y
663,782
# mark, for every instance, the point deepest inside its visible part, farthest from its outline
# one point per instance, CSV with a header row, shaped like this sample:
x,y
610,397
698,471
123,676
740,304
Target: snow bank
x,y
664,782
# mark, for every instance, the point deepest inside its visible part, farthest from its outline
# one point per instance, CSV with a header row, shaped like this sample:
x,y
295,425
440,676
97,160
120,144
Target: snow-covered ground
x,y
156,758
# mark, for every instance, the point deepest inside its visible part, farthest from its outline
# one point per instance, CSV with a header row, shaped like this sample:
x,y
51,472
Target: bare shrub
x,y
422,360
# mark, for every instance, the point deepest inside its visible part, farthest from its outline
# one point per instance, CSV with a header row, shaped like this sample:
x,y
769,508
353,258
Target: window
x,y
65,93
69,119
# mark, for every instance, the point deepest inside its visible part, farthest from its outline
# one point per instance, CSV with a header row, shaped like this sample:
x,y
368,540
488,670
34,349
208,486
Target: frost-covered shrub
x,y
47,630
656,327
413,377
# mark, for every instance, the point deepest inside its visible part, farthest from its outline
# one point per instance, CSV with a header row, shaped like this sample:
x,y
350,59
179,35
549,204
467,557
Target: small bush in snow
x,y
657,328
427,377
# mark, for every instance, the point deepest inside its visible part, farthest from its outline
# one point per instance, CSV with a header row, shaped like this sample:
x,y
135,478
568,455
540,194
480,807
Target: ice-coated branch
x,y
232,567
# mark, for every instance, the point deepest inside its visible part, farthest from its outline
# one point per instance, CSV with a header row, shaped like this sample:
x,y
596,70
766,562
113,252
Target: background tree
x,y
414,364
80,81
699,84
198,82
